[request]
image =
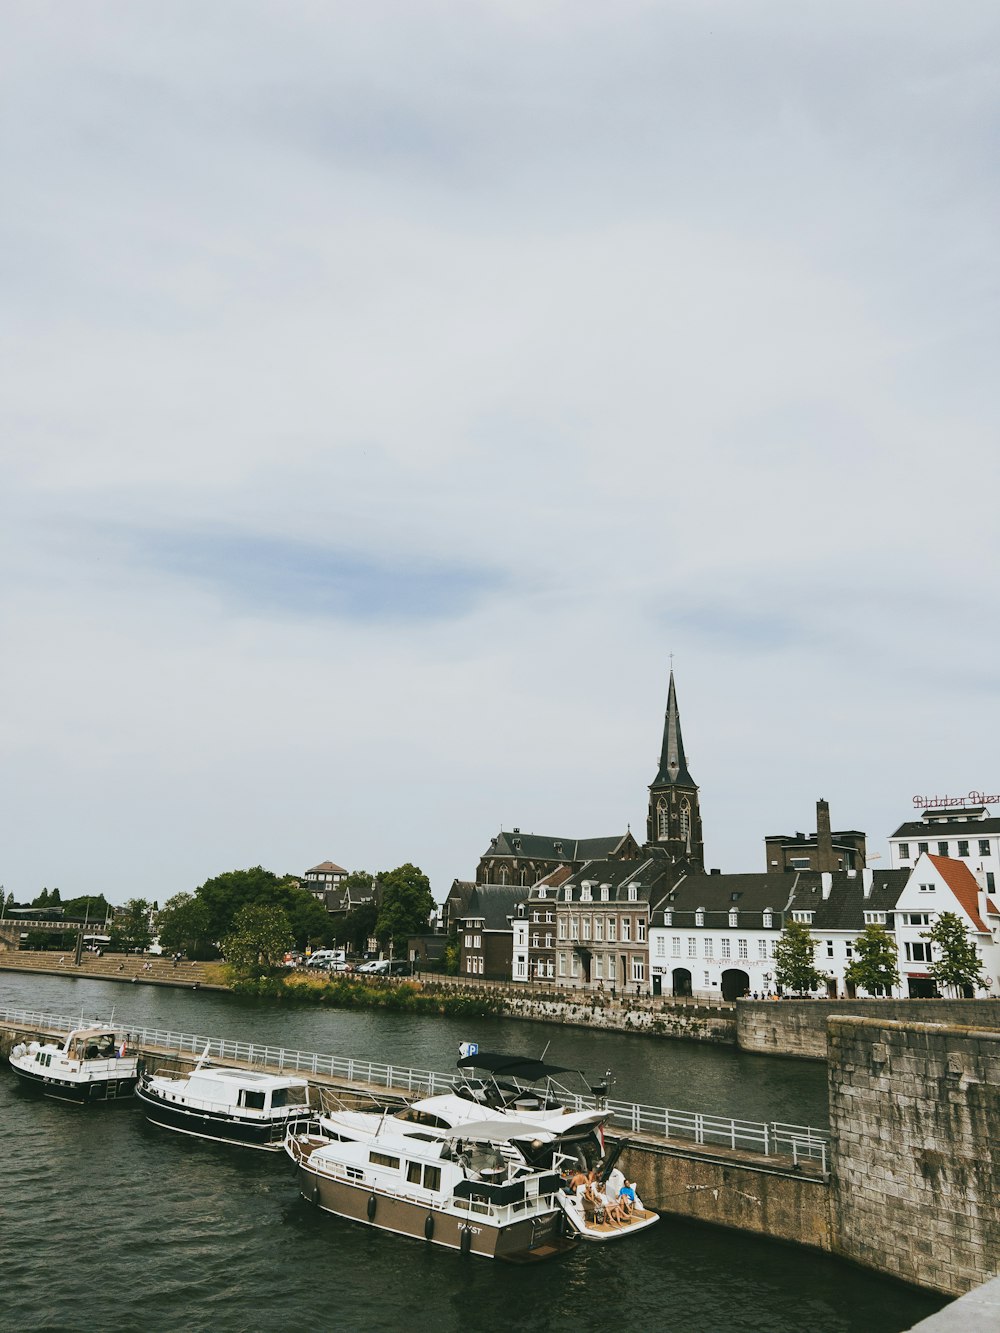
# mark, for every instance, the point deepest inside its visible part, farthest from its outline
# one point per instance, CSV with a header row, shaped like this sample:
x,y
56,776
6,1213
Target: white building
x,y
964,833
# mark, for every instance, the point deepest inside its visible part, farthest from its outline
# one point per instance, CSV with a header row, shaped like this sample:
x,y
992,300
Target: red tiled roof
x,y
962,882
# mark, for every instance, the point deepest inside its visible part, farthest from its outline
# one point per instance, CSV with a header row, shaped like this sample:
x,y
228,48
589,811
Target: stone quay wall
x,y
799,1027
915,1172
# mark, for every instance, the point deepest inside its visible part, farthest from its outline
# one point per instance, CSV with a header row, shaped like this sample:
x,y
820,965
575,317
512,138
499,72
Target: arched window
x,y
502,877
662,819
685,818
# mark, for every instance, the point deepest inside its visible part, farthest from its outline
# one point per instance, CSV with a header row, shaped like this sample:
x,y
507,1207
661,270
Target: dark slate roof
x,y
673,768
920,830
653,876
846,906
495,904
750,894
538,846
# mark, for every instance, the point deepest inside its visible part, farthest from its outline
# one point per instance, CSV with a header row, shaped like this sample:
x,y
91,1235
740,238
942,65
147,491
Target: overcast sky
x,y
388,389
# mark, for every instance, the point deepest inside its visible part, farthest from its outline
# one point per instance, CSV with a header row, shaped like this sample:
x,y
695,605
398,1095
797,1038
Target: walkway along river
x,y
116,1223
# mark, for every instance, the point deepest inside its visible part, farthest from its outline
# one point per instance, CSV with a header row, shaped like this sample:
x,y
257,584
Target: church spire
x,y
673,822
673,765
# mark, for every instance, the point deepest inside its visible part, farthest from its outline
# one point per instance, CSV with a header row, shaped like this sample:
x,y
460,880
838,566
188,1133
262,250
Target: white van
x,y
328,959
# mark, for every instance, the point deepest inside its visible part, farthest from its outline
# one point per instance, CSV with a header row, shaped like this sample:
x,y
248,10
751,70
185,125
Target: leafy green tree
x,y
260,939
309,920
452,956
358,926
794,959
873,967
42,899
957,965
183,926
130,927
225,894
94,908
406,906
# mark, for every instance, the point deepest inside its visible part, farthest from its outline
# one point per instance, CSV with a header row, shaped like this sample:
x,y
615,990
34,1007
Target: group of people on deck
x,y
608,1204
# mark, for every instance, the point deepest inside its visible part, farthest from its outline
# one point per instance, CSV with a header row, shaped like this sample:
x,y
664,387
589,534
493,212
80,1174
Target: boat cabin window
x,y
383,1159
432,1177
251,1098
295,1096
413,1173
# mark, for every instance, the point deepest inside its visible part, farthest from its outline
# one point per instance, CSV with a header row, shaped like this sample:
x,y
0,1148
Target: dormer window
x,y
568,893
558,848
585,894
542,891
668,917
699,916
768,921
734,917
605,892
633,893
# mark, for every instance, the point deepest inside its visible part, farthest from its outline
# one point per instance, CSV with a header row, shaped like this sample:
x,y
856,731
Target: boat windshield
x,y
296,1095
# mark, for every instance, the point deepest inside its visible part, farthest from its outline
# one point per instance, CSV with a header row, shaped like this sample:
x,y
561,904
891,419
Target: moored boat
x,y
460,1189
240,1106
91,1065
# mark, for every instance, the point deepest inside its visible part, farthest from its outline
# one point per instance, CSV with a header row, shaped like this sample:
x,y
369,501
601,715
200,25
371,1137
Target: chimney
x,y
867,880
824,838
826,880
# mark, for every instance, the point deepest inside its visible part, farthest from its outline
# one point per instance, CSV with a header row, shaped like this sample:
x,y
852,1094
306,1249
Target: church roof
x,y
541,847
673,770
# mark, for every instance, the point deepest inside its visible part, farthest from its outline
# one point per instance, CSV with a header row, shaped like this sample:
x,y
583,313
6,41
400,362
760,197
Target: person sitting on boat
x,y
626,1199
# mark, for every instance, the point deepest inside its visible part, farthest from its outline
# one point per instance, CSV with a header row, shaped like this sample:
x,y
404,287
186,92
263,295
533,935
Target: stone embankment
x,y
799,1027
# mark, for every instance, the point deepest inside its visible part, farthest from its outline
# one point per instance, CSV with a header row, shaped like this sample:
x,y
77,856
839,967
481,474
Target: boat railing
x,y
800,1143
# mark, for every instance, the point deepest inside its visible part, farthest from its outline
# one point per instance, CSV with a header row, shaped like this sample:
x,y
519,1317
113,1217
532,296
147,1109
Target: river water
x,y
107,1222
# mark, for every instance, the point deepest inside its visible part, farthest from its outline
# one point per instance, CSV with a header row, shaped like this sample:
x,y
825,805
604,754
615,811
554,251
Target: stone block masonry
x,y
798,1027
915,1153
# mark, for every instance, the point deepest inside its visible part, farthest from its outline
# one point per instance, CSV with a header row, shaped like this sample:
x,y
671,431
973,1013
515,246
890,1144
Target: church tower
x,y
674,819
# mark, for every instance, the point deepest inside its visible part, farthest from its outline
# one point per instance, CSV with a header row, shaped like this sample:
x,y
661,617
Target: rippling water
x,y
106,1222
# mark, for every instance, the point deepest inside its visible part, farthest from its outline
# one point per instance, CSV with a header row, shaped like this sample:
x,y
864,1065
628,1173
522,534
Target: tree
x,y
958,965
42,900
260,939
183,926
225,894
874,965
130,927
358,926
91,907
406,906
794,959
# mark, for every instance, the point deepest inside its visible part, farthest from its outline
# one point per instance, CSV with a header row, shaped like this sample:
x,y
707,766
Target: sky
x,y
387,390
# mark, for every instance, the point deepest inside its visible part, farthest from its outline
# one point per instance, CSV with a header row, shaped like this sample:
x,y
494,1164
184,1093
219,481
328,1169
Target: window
x,y
802,916
413,1173
612,929
585,927
253,1099
561,927
468,941
477,941
574,927
383,1159
762,948
699,917
768,918
574,965
611,967
874,918
599,966
534,939
708,981
904,851
633,893
692,946
675,946
726,948
541,892
536,916
626,929
917,952
709,947
742,948
734,916
562,964
640,930
432,1177
668,917
963,847
685,818
520,967
917,918
638,970
605,892
922,847
942,849
984,846
548,940
829,948
848,951
598,927
585,894
926,888
990,881
662,821
661,946
568,893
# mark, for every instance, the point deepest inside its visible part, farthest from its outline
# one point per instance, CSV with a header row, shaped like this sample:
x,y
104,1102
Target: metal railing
x,y
768,1139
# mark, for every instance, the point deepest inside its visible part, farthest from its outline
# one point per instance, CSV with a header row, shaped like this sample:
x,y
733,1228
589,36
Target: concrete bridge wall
x,y
799,1027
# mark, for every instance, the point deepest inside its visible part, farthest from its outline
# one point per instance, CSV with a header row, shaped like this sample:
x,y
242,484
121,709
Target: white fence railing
x,y
769,1139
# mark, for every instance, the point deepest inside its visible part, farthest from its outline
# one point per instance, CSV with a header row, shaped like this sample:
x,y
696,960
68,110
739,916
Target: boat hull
x,y
81,1091
265,1135
524,1241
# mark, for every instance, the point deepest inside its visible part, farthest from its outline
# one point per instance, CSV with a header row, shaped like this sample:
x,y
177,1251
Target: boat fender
x,y
465,1241
372,1205
429,1226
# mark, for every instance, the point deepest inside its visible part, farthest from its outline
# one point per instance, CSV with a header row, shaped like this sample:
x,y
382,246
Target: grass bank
x,y
343,991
